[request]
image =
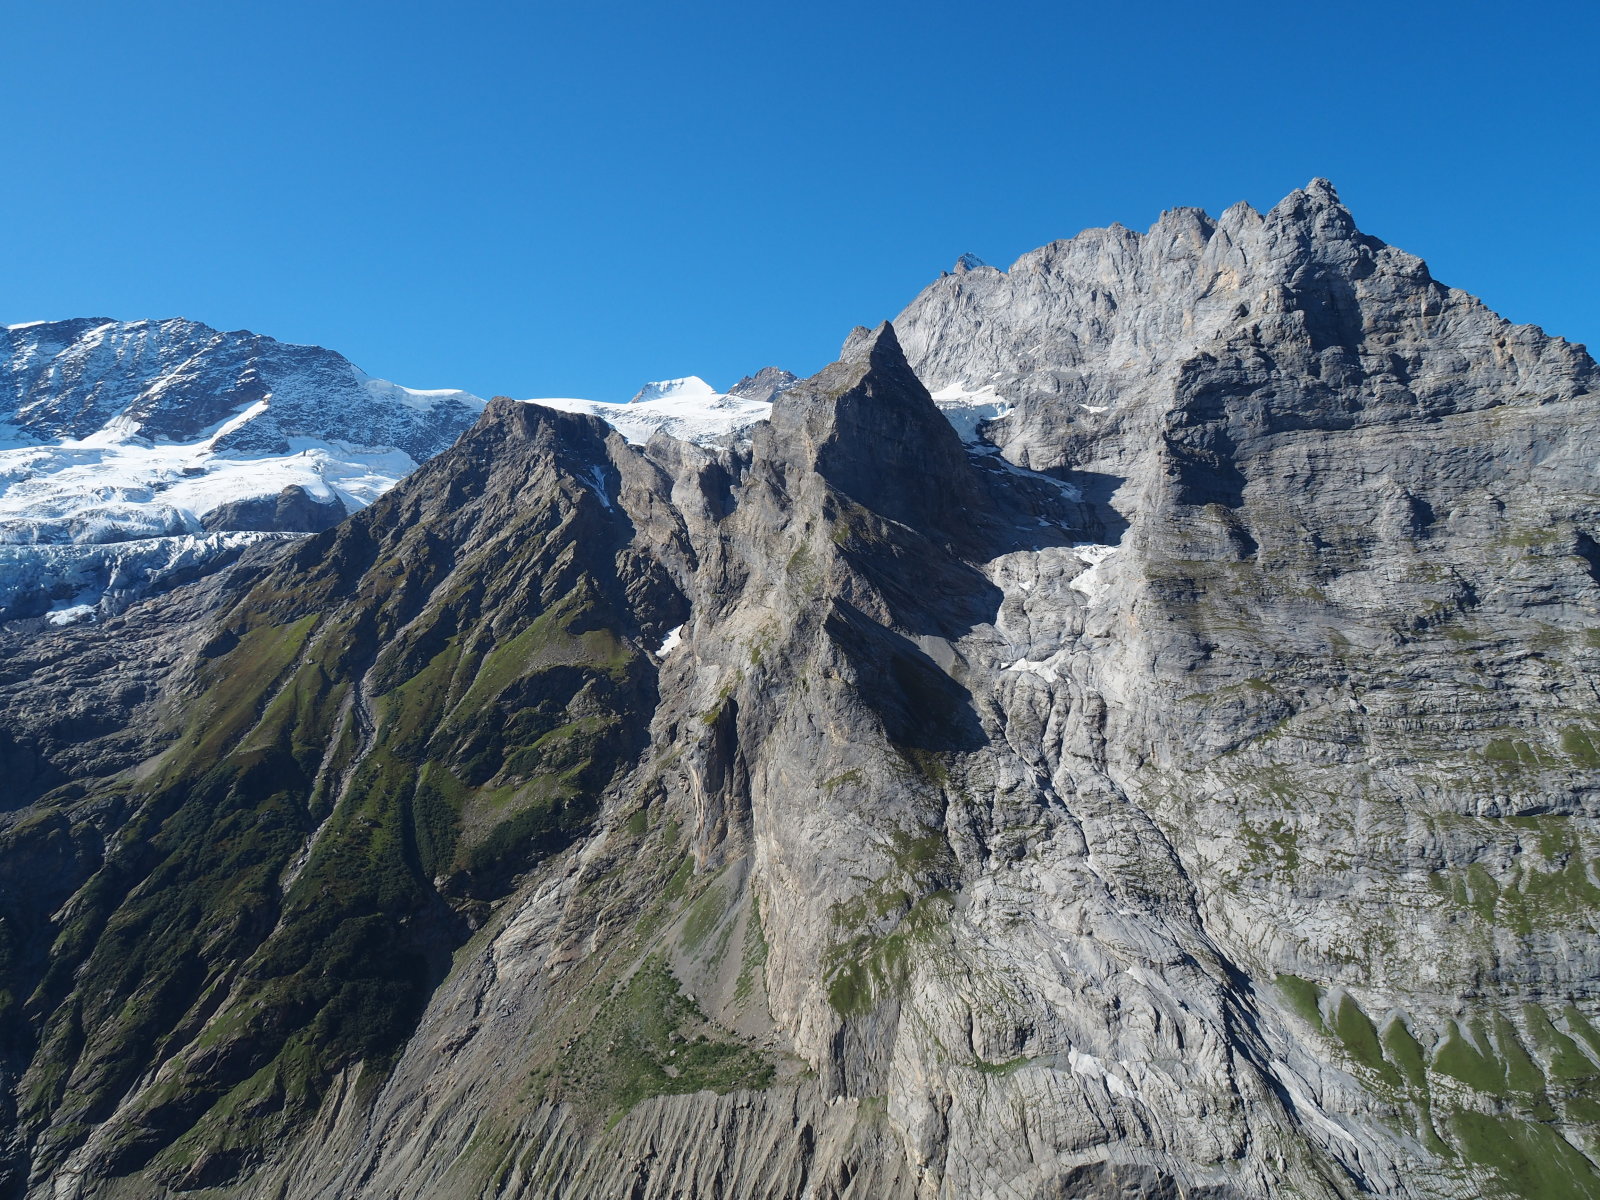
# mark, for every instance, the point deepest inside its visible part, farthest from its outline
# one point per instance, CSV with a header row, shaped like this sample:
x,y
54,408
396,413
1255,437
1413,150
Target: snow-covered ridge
x,y
110,488
689,409
690,386
179,381
692,410
122,434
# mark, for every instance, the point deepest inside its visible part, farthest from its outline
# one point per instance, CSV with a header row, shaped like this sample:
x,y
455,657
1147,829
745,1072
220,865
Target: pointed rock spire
x,y
1317,201
869,427
877,345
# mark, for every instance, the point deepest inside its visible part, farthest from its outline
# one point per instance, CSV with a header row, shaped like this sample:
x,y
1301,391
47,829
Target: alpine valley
x,y
1129,728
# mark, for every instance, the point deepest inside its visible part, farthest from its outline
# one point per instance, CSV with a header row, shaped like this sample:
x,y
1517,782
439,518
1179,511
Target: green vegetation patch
x,y
1495,1064
281,867
1359,1036
1560,893
753,964
1532,1160
704,915
905,910
649,1039
1304,999
1582,1029
1403,1050
1513,753
869,967
1581,745
1460,1057
1567,1062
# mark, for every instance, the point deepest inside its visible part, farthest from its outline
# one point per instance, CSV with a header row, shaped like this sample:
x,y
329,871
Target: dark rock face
x,y
292,510
867,426
1191,791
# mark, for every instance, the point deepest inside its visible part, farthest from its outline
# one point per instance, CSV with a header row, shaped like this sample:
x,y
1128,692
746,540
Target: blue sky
x,y
569,199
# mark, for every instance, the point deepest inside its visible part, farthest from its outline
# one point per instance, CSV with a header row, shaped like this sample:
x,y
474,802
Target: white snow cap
x,y
690,386
687,409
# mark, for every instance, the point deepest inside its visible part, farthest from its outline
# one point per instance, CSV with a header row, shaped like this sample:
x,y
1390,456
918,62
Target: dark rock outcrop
x,y
293,510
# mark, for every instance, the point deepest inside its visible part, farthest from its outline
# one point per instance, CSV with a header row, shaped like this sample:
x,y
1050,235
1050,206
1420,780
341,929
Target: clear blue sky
x,y
569,199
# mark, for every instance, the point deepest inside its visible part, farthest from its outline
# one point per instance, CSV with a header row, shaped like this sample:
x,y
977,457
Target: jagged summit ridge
x,y
764,385
176,379
1094,330
869,427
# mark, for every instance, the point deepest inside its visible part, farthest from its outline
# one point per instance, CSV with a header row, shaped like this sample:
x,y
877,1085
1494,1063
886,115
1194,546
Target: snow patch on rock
x,y
967,410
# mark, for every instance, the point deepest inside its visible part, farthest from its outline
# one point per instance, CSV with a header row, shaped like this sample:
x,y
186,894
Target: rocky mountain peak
x,y
878,346
1187,787
873,431
147,451
764,385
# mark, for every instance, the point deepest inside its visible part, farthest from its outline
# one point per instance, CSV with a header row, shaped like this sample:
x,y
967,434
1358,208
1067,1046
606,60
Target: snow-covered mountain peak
x,y
131,449
687,388
171,380
688,408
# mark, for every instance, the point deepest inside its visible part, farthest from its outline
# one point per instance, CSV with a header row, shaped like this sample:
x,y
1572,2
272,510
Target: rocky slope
x,y
1172,771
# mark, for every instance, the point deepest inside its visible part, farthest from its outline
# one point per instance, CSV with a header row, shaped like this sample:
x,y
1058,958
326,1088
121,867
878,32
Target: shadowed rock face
x,y
1191,792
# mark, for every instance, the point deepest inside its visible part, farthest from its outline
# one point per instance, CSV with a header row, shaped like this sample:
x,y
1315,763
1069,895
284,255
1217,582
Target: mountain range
x,y
1128,728
137,456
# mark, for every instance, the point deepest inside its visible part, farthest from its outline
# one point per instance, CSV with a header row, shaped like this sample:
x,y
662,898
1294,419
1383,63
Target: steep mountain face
x,y
139,455
1169,771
